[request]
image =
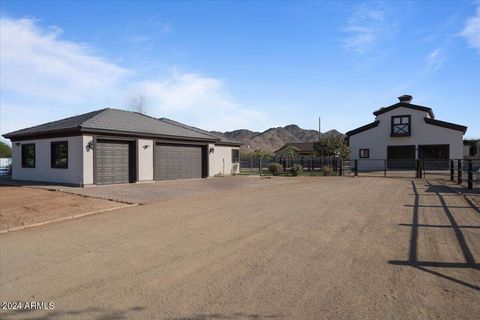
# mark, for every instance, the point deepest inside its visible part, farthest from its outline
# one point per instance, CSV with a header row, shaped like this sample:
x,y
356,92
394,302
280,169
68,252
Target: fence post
x,y
340,171
459,172
452,170
423,171
385,168
470,175
356,167
417,167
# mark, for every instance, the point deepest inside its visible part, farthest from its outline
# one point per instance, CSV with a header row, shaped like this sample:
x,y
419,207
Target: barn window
x,y
364,153
401,126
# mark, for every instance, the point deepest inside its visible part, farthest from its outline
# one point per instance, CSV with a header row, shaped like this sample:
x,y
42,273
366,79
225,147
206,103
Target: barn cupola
x,y
405,98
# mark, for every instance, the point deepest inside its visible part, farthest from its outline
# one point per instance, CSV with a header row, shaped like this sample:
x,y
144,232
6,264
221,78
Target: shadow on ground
x,y
88,313
233,316
469,262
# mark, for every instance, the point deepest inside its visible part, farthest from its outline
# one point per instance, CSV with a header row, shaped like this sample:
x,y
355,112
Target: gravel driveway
x,y
305,248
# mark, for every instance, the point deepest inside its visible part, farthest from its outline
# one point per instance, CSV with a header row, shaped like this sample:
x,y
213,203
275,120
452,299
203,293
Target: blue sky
x,y
230,65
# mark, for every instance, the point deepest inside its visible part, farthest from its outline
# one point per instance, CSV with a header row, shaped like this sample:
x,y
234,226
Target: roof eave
x,y
405,105
144,134
362,128
229,143
447,125
34,135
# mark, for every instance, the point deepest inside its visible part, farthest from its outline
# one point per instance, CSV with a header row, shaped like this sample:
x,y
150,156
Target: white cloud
x,y
365,26
434,60
37,63
39,68
203,99
471,31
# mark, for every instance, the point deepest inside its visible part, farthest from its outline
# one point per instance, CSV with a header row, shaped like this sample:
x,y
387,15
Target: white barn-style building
x,y
402,133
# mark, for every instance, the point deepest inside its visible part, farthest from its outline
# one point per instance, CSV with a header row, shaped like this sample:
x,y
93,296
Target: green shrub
x,y
326,170
296,169
275,168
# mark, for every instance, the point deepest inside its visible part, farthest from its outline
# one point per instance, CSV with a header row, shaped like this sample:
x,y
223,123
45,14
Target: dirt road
x,y
313,248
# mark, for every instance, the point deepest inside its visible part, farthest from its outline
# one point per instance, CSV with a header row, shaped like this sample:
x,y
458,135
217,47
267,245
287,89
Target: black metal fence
x,y
466,172
381,168
309,164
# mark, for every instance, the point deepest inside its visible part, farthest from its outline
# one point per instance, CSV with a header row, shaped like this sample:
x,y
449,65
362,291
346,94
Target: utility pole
x,y
319,128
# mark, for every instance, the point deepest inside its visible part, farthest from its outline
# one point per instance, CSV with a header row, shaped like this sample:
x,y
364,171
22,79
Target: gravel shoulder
x,y
23,206
306,248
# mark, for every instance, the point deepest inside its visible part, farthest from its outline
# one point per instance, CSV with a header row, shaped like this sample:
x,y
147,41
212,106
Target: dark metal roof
x,y
113,120
445,124
222,140
362,128
55,126
405,105
298,146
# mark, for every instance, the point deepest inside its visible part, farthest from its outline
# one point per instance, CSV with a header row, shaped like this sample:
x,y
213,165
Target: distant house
x,y
110,146
471,149
404,132
304,149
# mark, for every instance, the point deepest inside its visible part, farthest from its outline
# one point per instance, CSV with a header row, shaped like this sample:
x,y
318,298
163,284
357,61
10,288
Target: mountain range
x,y
273,138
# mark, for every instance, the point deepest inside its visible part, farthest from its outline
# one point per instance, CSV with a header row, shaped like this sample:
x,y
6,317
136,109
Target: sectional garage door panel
x,y
112,162
177,162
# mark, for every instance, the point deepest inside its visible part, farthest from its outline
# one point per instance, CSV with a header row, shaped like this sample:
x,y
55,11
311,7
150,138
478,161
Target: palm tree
x,y
260,154
290,153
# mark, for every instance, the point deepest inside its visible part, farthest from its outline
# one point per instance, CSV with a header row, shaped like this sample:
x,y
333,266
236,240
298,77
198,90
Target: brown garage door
x,y
112,162
177,162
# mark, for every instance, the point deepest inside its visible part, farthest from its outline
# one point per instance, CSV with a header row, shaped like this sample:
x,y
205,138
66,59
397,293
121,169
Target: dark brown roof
x,y
222,141
405,105
299,146
362,128
445,124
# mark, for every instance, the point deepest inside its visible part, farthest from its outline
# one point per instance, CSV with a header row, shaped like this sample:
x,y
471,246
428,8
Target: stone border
x,y
38,224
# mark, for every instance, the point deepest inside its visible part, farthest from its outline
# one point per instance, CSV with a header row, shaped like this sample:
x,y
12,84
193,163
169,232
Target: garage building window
x,y
235,155
364,153
59,154
28,155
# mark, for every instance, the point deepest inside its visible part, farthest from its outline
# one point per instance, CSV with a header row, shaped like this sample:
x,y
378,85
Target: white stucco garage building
x,y
110,146
404,132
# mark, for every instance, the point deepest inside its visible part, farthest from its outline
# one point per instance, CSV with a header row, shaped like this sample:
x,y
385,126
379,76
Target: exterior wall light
x,y
17,144
89,146
211,150
146,146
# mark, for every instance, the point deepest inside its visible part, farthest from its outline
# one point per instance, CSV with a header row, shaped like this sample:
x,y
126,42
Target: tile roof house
x,y
115,146
301,149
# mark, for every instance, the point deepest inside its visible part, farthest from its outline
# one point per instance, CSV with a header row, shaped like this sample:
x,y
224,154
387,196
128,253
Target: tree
x,y
5,150
290,153
332,146
138,104
260,155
